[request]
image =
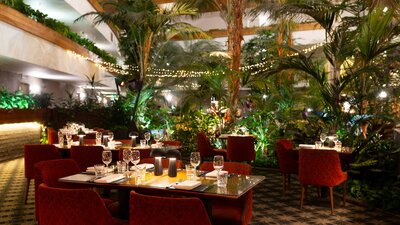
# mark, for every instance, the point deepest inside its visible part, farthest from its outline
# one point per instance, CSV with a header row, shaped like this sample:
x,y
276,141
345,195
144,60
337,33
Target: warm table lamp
x,y
157,153
133,135
172,155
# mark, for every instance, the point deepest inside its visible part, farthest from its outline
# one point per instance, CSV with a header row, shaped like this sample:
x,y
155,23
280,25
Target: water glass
x,y
141,172
147,136
195,159
99,170
338,146
121,166
190,172
318,144
98,138
106,157
222,178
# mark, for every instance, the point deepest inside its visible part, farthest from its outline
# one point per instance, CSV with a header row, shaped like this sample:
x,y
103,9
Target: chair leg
x,y
289,182
303,191
28,181
344,186
284,183
331,198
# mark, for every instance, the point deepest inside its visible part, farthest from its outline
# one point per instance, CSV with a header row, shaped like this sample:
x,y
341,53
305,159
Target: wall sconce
x,y
172,155
157,153
133,135
81,134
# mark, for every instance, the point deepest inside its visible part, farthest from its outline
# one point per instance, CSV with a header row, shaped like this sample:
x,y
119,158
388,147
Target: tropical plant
x,y
143,25
17,100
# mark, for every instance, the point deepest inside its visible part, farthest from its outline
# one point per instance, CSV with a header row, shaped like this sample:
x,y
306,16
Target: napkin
x,y
110,178
213,174
91,170
187,185
304,146
147,165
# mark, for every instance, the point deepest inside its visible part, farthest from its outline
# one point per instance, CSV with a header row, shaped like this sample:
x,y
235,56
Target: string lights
x,y
167,73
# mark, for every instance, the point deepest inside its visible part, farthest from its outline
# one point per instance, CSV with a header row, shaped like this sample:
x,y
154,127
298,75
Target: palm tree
x,y
143,25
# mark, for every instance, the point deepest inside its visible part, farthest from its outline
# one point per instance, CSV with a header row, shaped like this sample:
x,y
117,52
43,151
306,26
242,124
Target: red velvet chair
x,y
52,136
48,172
206,149
288,162
73,206
154,210
87,156
172,143
164,161
241,149
321,168
34,154
232,211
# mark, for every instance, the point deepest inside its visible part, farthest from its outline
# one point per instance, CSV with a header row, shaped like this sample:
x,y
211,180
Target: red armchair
x,y
87,156
154,210
172,143
288,162
321,168
241,148
206,149
34,154
73,206
52,136
232,211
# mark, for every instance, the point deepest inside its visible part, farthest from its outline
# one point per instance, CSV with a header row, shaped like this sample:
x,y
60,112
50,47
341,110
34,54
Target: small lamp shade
x,y
133,135
157,154
173,155
81,134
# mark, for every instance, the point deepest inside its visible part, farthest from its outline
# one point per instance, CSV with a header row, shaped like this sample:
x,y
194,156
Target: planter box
x,y
22,115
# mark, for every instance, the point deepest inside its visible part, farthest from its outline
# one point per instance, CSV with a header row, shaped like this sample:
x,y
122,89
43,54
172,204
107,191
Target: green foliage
x,y
59,27
17,100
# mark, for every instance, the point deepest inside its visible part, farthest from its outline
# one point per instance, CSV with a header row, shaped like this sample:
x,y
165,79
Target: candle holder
x,y
172,155
157,154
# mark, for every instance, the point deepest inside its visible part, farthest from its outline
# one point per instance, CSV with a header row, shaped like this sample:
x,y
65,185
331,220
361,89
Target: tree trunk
x,y
235,28
134,125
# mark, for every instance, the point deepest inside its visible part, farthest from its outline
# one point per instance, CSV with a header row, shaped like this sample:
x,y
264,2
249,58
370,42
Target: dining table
x,y
345,153
206,188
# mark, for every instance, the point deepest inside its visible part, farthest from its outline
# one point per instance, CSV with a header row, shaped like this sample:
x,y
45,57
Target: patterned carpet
x,y
270,207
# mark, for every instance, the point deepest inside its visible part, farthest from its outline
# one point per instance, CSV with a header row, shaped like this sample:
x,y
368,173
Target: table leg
x,y
123,204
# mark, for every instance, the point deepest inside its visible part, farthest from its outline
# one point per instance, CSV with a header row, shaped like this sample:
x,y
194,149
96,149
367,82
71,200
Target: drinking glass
x,y
157,138
335,139
98,138
135,157
218,162
69,138
195,160
322,137
126,156
60,139
110,136
106,157
147,136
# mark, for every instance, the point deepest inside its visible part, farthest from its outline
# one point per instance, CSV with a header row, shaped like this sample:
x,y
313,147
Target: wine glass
x,y
157,137
110,136
126,156
322,137
135,157
335,139
147,136
106,157
195,160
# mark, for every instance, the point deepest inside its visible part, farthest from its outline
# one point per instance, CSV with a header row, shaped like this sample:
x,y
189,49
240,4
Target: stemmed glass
x,y
147,136
218,163
322,137
157,138
107,157
135,157
110,136
126,156
335,139
195,160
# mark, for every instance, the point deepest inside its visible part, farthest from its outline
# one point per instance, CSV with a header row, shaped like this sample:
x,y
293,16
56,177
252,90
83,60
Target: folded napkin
x,y
214,173
147,165
110,178
187,185
91,169
304,146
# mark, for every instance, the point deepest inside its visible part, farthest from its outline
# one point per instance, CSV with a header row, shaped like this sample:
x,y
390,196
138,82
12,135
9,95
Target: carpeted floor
x,y
270,206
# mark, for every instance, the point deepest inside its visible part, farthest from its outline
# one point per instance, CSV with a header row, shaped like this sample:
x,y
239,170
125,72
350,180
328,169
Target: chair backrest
x,y
288,163
52,136
164,161
204,146
240,148
48,172
231,167
72,206
172,143
319,167
87,156
37,153
154,210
